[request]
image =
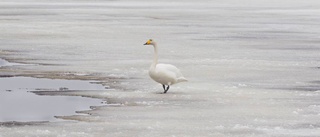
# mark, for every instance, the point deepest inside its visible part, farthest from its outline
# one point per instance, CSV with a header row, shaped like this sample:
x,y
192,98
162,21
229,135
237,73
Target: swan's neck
x,y
155,57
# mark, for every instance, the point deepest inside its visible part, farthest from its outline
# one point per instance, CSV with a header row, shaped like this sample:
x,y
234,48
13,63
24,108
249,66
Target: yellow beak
x,y
147,43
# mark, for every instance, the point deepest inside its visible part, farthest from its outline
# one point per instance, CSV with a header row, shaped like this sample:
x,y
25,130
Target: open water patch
x,y
4,63
18,104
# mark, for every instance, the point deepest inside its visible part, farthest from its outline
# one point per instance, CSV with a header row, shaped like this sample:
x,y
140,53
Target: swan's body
x,y
165,74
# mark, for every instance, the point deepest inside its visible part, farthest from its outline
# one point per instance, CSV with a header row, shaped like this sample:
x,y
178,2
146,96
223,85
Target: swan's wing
x,y
169,70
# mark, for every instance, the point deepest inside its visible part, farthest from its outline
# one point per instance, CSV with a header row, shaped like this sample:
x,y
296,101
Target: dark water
x,y
17,104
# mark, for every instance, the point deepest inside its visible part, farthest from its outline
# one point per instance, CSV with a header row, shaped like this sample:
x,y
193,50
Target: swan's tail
x,y
182,79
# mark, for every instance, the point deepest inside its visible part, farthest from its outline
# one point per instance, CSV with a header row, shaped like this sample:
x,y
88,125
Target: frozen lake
x,y
253,66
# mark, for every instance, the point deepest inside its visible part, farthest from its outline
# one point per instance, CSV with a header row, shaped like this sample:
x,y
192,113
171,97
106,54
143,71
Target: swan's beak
x,y
147,43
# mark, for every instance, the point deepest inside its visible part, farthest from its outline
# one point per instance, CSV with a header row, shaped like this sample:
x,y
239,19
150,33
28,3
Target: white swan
x,y
165,74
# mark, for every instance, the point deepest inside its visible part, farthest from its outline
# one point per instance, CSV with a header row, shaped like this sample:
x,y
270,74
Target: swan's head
x,y
149,42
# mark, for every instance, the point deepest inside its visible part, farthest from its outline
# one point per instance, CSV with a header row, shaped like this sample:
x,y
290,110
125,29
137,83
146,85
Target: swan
x,y
165,74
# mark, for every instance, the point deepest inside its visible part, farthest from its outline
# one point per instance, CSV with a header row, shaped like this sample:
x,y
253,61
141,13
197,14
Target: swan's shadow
x,y
171,93
160,93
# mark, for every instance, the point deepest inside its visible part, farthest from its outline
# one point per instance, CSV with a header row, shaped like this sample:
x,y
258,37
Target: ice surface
x,y
253,66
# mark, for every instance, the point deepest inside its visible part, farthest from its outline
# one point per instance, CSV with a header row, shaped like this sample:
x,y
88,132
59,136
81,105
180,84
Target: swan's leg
x,y
164,87
165,91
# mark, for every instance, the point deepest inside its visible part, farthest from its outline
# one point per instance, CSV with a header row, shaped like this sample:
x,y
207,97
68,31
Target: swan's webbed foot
x,y
165,89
